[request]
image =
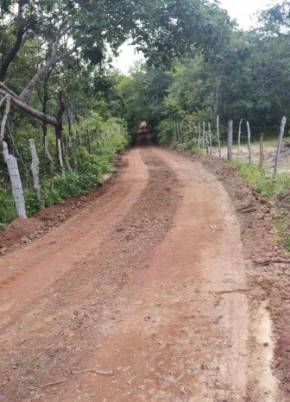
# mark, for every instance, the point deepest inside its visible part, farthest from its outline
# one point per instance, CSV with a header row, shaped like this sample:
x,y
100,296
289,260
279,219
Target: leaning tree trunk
x,y
35,171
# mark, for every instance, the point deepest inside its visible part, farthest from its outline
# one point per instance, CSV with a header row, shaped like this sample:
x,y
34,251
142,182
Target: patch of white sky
x,y
243,11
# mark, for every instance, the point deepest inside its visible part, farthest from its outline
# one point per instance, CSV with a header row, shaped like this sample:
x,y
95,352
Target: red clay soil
x,y
151,289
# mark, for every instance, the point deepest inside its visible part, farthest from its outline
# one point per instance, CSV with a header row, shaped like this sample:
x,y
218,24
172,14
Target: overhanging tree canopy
x,y
162,29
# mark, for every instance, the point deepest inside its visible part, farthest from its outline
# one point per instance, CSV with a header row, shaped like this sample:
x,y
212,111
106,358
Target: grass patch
x,y
261,179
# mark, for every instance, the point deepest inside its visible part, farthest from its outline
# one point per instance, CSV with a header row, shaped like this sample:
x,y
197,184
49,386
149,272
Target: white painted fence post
x,y
17,190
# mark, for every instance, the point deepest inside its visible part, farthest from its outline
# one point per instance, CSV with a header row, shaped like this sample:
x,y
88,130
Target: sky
x,y
243,11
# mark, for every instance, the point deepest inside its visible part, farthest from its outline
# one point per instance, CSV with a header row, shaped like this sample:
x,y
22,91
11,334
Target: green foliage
x,y
142,96
106,139
165,131
190,145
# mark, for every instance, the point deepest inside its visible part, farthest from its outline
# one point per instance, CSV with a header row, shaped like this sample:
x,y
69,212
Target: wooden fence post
x,y
35,171
279,145
210,139
218,135
239,138
199,135
262,155
249,142
230,140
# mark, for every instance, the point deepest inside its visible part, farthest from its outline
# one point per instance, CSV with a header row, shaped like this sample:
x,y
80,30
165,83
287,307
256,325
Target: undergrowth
x,y
87,165
261,180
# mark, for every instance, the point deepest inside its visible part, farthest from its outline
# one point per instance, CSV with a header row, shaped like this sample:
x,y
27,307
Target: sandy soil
x,y
153,291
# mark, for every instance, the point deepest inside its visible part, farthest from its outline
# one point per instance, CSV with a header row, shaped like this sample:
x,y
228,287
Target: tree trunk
x,y
35,171
203,134
16,46
60,158
210,139
44,106
218,135
49,157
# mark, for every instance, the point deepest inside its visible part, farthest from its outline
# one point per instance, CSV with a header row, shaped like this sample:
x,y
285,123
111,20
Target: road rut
x,y
142,296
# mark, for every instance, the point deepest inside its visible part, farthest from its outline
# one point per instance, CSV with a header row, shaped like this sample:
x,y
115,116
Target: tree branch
x,y
30,110
54,59
4,120
34,113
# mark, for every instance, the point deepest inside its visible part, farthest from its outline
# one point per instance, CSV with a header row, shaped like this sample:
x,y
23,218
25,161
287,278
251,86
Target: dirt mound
x,y
20,230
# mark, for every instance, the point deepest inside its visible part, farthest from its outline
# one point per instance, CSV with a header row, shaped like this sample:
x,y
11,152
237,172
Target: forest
x,y
66,111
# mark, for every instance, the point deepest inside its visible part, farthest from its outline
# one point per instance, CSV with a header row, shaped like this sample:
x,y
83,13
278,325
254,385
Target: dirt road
x,y
141,296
